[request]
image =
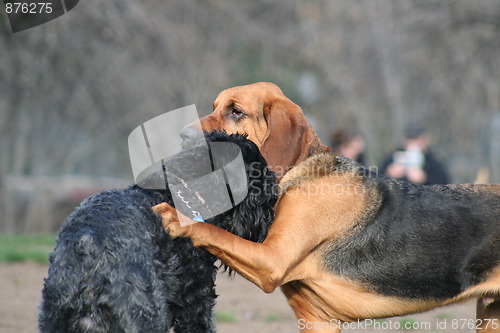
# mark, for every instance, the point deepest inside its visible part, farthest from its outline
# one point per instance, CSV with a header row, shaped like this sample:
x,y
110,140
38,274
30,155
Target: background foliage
x,y
71,90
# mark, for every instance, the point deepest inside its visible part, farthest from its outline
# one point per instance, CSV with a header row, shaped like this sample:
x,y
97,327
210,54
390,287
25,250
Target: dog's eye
x,y
236,113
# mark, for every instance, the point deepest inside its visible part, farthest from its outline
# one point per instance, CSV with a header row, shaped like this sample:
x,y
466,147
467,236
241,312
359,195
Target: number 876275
x,y
28,8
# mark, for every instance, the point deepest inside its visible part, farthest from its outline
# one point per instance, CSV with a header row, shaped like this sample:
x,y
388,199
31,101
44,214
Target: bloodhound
x,y
347,244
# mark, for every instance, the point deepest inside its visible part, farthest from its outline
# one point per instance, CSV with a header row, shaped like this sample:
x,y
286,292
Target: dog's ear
x,y
289,135
257,210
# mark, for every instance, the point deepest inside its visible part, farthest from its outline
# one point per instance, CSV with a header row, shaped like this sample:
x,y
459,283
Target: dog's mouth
x,y
192,136
191,139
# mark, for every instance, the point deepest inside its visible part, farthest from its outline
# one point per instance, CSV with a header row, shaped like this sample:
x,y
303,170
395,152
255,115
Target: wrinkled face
x,y
243,110
273,122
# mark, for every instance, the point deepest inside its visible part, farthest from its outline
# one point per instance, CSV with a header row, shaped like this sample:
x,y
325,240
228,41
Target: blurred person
x,y
414,162
348,144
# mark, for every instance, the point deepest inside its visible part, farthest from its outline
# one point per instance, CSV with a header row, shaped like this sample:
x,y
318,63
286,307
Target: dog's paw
x,y
162,207
175,230
167,213
193,231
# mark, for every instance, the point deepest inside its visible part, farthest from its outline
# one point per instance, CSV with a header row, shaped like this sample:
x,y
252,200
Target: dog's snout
x,y
188,133
191,137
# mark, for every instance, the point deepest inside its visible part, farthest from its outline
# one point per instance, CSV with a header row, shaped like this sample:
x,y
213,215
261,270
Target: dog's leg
x,y
488,315
265,264
306,314
297,230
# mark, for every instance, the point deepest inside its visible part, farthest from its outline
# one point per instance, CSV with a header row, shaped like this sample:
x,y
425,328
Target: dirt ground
x,y
242,307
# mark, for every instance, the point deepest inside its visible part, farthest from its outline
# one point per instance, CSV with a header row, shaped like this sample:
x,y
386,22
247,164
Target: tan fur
x,y
313,168
321,200
290,257
335,297
271,120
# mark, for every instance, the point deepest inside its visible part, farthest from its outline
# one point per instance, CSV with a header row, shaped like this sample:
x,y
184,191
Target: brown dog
x,y
272,121
347,244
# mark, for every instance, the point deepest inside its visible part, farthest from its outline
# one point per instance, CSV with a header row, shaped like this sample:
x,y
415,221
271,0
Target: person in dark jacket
x,y
415,162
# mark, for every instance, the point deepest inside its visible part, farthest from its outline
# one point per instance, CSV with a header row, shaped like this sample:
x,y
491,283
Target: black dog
x,y
114,269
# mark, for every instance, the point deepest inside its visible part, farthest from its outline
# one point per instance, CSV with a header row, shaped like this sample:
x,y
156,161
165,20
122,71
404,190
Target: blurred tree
x,y
71,90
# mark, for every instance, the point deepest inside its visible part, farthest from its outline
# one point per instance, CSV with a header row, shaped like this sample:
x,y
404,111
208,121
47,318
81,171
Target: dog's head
x,y
262,112
252,217
225,182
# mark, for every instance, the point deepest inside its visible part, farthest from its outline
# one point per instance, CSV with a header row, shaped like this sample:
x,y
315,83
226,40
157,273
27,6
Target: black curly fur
x,y
114,269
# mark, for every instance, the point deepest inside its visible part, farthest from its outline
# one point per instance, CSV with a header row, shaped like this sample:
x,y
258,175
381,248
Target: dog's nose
x,y
188,133
191,137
